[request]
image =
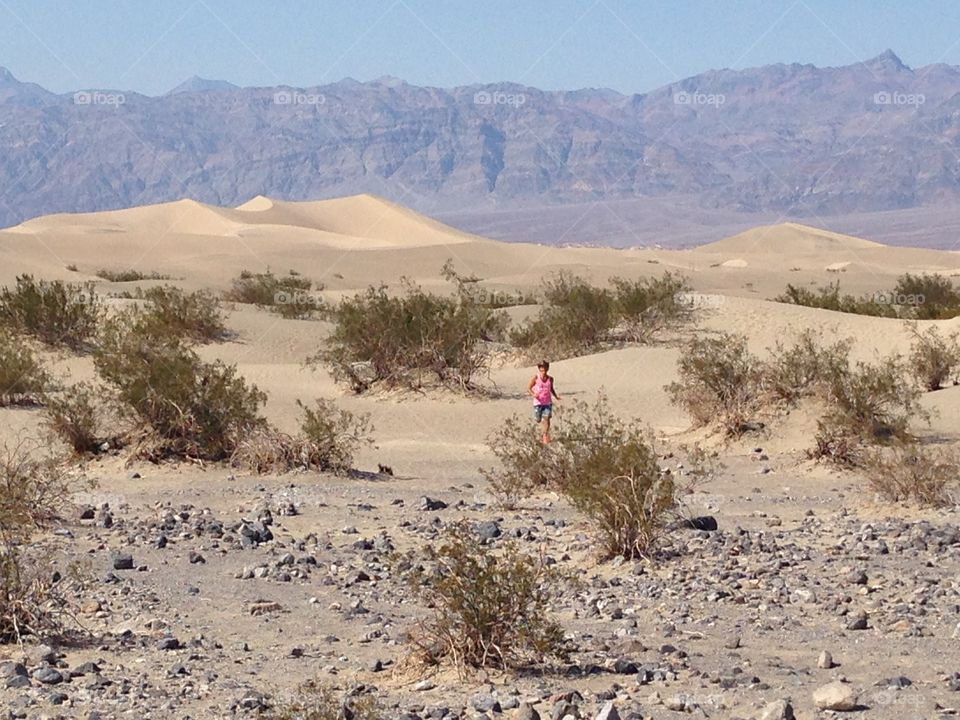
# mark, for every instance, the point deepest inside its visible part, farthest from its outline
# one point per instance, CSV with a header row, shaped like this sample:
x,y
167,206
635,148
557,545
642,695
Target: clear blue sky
x,y
629,45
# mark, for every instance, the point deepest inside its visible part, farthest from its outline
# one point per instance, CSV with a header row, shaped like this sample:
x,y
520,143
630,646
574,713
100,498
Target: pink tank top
x,y
543,391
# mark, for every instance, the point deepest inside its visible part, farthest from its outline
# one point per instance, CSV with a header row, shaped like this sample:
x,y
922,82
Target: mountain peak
x,y
888,59
6,76
199,84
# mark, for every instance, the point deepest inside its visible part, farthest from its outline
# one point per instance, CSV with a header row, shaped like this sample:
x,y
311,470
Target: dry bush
x,y
289,296
129,275
491,608
183,406
318,701
56,313
79,415
409,339
933,358
33,494
327,441
647,306
829,297
908,471
868,404
526,465
23,379
805,367
721,381
933,297
172,313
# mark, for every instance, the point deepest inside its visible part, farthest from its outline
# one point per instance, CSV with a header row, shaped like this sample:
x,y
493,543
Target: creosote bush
x,y
33,493
23,379
491,606
289,296
79,415
182,406
911,472
169,312
129,275
409,339
803,368
934,358
56,313
318,701
868,404
525,465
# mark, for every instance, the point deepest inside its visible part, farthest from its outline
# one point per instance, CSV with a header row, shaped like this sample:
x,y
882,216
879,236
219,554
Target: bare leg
x,y
546,430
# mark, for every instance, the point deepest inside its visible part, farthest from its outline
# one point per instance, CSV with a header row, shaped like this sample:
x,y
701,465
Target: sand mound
x,y
735,263
789,239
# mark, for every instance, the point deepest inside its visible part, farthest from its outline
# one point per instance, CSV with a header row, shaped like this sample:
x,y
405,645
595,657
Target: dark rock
x,y
47,675
168,643
431,504
122,561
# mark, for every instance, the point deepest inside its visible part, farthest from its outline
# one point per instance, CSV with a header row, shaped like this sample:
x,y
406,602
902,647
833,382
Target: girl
x,y
542,390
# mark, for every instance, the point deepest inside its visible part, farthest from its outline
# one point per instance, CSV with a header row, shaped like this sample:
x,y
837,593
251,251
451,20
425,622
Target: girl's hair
x,y
543,364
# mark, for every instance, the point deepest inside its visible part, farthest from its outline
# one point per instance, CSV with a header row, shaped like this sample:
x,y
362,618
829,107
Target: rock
x,y
264,607
87,512
625,667
485,703
835,696
196,558
859,621
608,712
732,643
429,504
17,681
856,577
47,675
778,710
122,561
526,712
488,530
825,661
168,643
12,669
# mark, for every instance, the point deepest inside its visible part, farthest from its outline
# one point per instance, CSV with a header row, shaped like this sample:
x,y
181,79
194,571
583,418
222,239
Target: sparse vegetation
x,y
290,296
525,463
318,701
409,339
33,493
911,472
491,607
649,305
172,313
23,379
182,406
934,359
79,415
932,297
803,368
56,313
721,382
121,276
868,404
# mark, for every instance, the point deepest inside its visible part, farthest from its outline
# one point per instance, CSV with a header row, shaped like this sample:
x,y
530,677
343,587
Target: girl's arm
x,y
553,388
533,381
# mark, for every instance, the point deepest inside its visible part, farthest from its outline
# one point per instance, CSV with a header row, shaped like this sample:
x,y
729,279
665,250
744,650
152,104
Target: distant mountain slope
x,y
781,139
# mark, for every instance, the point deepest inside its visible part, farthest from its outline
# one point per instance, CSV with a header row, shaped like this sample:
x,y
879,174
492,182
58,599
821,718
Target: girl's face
x,y
543,373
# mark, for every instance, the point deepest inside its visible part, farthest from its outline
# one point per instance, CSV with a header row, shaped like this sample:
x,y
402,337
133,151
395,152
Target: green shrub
x,y
933,357
908,471
721,381
121,276
491,608
526,464
290,296
56,313
647,306
79,415
186,407
172,313
929,297
923,297
33,494
333,435
318,701
869,404
23,379
801,369
409,339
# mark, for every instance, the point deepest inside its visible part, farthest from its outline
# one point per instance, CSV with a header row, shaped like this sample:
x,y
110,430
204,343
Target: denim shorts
x,y
542,411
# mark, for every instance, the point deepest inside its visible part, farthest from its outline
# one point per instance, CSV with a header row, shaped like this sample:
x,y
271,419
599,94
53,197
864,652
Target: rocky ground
x,y
213,596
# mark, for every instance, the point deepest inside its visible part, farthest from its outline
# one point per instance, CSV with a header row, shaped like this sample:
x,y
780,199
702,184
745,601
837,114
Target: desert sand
x,y
734,622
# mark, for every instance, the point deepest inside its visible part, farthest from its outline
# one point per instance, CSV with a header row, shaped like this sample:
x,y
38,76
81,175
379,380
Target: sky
x,y
627,45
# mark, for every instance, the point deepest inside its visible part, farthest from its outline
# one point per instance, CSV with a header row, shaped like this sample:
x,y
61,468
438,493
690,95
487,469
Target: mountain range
x,y
780,140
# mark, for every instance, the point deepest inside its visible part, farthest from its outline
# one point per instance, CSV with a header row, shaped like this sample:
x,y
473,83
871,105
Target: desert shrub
x,y
56,313
929,297
526,464
829,297
910,472
185,407
23,379
318,701
121,276
933,357
798,370
407,339
288,296
648,305
576,317
332,435
33,494
171,312
491,607
79,415
721,381
869,404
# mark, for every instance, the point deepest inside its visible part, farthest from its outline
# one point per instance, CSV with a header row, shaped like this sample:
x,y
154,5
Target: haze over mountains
x,y
728,148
